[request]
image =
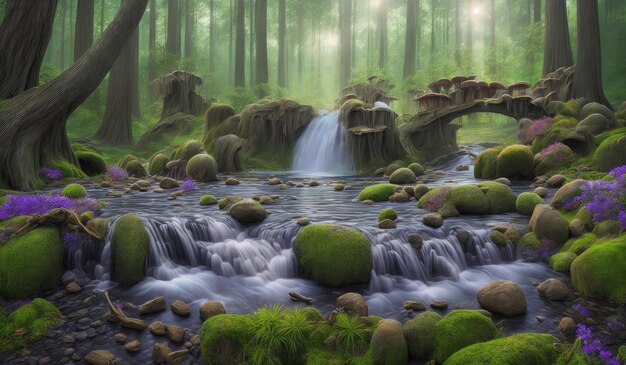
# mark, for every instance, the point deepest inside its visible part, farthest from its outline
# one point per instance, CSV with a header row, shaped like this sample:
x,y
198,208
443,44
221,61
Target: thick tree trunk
x,y
101,17
189,28
457,34
410,38
35,121
84,27
382,44
152,61
240,72
537,11
345,43
251,64
588,71
24,36
173,28
212,49
557,51
282,54
63,13
260,26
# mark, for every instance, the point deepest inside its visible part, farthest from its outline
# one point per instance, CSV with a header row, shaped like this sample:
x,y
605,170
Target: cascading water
x,y
323,148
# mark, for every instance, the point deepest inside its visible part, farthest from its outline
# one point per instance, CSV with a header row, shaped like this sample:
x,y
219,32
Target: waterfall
x,y
323,148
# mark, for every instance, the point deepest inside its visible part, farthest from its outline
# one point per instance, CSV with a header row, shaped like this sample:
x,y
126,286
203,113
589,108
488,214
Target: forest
x,y
358,182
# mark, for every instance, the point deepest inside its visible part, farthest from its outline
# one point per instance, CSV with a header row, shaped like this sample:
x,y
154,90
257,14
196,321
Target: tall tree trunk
x,y
300,39
260,26
24,36
71,23
251,41
432,28
34,121
212,44
63,16
84,27
382,25
189,28
537,11
588,72
282,24
345,43
418,26
152,61
470,38
101,17
410,38
173,28
231,43
557,51
240,58
353,35
457,34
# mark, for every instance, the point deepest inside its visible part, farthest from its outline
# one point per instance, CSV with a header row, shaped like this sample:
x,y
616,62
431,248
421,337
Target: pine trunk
x,y
282,54
173,28
189,28
84,27
212,36
260,27
382,44
152,61
240,73
537,11
410,38
457,34
345,43
557,51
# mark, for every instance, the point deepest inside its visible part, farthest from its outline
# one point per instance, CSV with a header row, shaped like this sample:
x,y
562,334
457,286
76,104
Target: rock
x,y
353,303
68,277
313,184
434,220
120,337
265,200
418,333
498,238
416,241
388,345
526,203
181,308
439,304
459,329
512,234
73,287
386,224
129,249
567,326
177,357
420,190
547,223
202,167
400,197
503,180
175,333
339,187
231,181
158,191
464,237
100,357
553,289
274,181
368,202
168,183
160,352
417,169
414,305
211,308
463,167
402,176
247,211
303,221
562,261
515,161
607,228
556,181
157,328
541,191
576,228
503,297
567,192
45,360
377,192
133,346
155,305
540,319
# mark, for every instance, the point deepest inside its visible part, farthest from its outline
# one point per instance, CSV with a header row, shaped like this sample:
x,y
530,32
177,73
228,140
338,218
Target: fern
x,y
350,333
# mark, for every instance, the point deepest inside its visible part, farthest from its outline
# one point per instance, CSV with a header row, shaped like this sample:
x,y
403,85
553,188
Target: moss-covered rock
x,y
580,244
530,241
123,162
190,149
519,349
157,165
567,192
500,197
607,228
555,156
208,200
417,169
99,226
333,255
596,108
469,199
378,192
526,203
562,261
91,163
403,175
202,167
136,169
74,191
28,323
486,164
31,264
227,201
391,168
388,213
418,333
563,121
129,249
224,338
547,223
388,346
498,238
515,161
459,329
67,169
611,153
600,272
247,211
593,124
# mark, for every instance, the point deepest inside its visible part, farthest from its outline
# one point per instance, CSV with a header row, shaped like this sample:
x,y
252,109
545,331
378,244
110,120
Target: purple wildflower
x,y
535,129
606,199
546,250
49,174
116,173
17,205
72,240
592,346
582,310
437,199
187,185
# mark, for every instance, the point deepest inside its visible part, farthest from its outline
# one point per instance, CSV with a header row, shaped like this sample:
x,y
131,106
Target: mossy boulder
x,y
388,346
247,211
529,241
190,149
580,244
227,201
418,333
567,192
208,200
593,124
469,199
74,191
403,175
333,255
99,226
28,323
547,223
562,261
157,165
500,197
519,349
526,203
607,228
552,157
136,169
563,121
596,108
515,161
417,169
391,168
611,153
129,249
202,167
123,162
378,192
224,338
91,163
486,164
599,272
388,213
459,329
31,263
498,238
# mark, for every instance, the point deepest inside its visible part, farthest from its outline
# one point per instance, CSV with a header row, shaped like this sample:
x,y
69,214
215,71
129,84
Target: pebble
x,y
414,305
133,346
175,333
339,187
177,357
45,360
160,352
100,357
73,287
181,308
69,339
567,326
155,305
157,328
439,304
540,319
120,337
303,221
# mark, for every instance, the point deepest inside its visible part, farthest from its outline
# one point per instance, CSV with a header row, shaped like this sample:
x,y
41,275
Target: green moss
x,y
129,248
224,338
31,263
562,261
136,169
418,333
312,314
469,199
388,213
558,158
34,321
227,201
333,255
123,162
563,121
402,175
515,161
596,108
600,271
324,356
523,348
91,163
584,215
417,169
530,241
526,203
190,149
66,168
208,200
74,191
157,164
459,329
570,109
498,238
202,167
388,346
607,228
580,244
611,152
378,192
486,163
500,197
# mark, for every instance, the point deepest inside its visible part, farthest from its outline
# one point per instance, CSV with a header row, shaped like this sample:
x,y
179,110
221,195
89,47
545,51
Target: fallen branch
x,y
299,298
57,216
132,323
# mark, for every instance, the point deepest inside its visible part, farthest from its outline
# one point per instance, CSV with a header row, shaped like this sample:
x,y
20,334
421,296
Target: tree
x,y
189,27
537,11
457,34
84,27
34,121
345,42
410,38
152,55
212,43
260,28
24,36
282,56
382,25
588,71
557,51
240,73
173,28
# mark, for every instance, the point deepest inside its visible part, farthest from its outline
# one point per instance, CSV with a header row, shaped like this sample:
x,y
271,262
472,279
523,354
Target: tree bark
x,y
212,36
588,71
24,36
152,62
432,29
410,38
537,11
345,43
173,28
260,27
557,51
34,121
300,40
382,44
189,28
457,34
418,26
240,72
84,27
63,15
251,42
282,54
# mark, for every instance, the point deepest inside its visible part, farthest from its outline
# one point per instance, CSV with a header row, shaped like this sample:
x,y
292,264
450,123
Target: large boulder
x,y
190,149
378,192
547,223
333,255
202,167
611,153
557,155
459,329
388,346
593,124
353,303
158,163
526,202
486,163
211,308
129,249
515,161
503,297
562,261
469,199
136,169
91,163
224,337
567,192
500,197
596,108
403,176
417,169
553,289
247,211
418,333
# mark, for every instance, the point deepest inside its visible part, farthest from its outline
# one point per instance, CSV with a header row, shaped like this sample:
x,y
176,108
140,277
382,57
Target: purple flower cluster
x,y
582,310
592,346
72,240
546,250
187,185
17,205
49,174
605,199
116,173
536,128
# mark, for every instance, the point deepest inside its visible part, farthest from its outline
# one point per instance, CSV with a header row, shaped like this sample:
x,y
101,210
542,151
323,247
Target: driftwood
x,y
132,323
299,298
58,216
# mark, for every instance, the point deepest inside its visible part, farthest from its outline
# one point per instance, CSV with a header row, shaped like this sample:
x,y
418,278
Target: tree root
x,y
132,323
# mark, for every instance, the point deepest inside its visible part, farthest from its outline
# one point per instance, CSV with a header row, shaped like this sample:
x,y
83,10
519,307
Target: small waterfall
x,y
323,148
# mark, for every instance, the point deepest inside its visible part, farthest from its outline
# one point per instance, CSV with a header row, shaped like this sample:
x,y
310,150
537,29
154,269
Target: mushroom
x,y
470,89
441,86
494,86
458,80
483,90
432,101
518,88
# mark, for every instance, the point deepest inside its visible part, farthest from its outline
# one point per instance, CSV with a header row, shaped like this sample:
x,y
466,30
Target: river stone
x,y
265,200
211,308
120,337
73,287
231,181
503,297
160,352
503,180
388,345
462,167
420,190
177,357
303,222
464,237
175,333
553,289
181,308
439,304
402,176
157,328
434,220
498,238
353,303
556,181
133,346
416,241
100,357
576,227
541,191
368,202
567,326
413,305
547,223
155,305
68,277
567,192
313,183
168,183
400,197
247,211
386,224
339,187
